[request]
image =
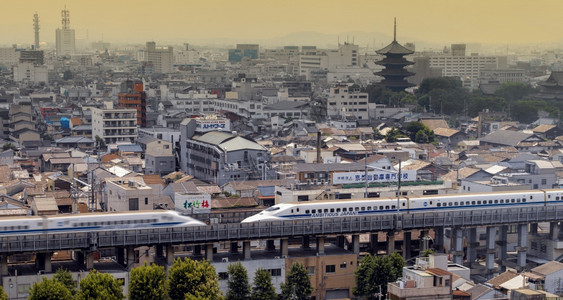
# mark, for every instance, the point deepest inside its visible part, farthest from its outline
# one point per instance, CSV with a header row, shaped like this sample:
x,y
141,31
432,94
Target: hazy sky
x,y
438,21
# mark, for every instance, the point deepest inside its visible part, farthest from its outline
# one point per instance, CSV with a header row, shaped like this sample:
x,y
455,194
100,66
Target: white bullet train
x,y
94,222
368,207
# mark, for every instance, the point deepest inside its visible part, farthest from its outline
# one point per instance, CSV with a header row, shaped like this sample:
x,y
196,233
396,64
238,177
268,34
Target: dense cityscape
x,y
376,166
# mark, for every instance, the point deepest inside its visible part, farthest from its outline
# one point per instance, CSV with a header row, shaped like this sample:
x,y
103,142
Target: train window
x,y
430,202
472,202
557,198
548,196
386,206
344,209
531,197
369,207
501,200
490,201
332,210
356,208
518,200
338,210
272,208
496,201
393,207
298,209
512,200
456,203
292,210
524,199
381,208
479,202
363,208
314,211
438,204
326,210
350,209
404,204
306,211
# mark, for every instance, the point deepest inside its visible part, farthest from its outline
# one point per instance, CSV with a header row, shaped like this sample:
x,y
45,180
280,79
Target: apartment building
x,y
343,102
114,125
310,61
160,58
133,96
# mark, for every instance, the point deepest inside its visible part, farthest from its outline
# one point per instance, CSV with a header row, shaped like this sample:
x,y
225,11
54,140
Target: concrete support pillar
x,y
554,228
209,252
439,239
423,241
320,245
373,241
89,260
270,246
491,237
502,243
534,228
246,250
120,256
43,262
457,237
4,265
472,245
130,257
356,243
196,250
169,254
284,247
407,236
79,257
522,244
390,243
340,241
305,242
234,247
159,250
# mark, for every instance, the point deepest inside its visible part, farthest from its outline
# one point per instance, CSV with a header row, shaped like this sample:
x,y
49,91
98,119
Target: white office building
x,y
114,125
343,102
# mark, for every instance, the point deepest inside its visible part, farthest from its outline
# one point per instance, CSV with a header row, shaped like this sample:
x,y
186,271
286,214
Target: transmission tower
x,y
65,18
36,29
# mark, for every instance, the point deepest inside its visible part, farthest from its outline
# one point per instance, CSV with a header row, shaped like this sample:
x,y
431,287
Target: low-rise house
x,y
546,277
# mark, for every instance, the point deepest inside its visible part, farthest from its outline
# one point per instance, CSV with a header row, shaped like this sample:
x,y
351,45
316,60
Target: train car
x,y
94,222
337,208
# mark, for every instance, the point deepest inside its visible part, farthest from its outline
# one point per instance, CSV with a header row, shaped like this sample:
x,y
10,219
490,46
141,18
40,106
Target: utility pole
x,y
399,188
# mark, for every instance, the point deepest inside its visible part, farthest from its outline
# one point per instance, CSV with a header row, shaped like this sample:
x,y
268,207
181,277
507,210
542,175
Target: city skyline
x,y
432,21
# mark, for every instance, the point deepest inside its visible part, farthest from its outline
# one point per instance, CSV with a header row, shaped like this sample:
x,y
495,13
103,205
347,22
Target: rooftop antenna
x,y
36,29
395,30
65,18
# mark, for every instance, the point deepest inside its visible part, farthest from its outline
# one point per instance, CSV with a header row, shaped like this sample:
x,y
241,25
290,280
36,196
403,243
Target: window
x,y
275,272
338,210
307,211
223,276
330,268
133,203
544,181
439,204
343,265
146,201
313,211
311,270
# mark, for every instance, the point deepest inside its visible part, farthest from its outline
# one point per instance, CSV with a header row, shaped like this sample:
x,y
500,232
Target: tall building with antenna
x,y
36,30
65,36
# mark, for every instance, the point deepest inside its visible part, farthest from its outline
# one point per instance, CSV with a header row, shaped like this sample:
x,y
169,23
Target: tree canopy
x,y
297,283
238,288
262,288
420,133
374,272
99,286
189,279
148,283
65,277
49,289
3,295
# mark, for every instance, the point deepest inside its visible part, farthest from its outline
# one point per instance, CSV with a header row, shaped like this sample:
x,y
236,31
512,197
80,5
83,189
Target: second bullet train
x,y
364,207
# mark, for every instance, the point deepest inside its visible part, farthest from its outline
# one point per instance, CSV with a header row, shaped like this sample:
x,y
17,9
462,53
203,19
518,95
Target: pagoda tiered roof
x,y
394,48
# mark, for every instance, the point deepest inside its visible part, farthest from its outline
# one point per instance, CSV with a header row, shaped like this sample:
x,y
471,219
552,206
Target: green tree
x,y
8,146
392,135
427,252
439,83
374,272
263,289
189,278
3,295
513,91
397,263
148,282
525,111
297,284
63,276
99,286
238,288
49,289
101,144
